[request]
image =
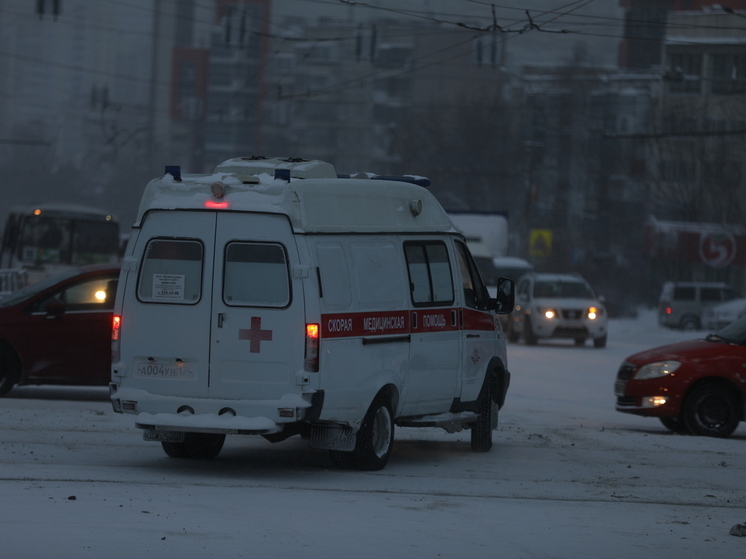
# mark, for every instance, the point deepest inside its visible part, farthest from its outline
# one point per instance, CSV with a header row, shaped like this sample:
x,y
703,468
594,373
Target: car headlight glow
x,y
594,313
548,313
653,401
656,370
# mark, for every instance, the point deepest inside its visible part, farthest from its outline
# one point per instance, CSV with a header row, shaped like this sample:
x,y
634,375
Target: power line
x,y
14,142
528,24
659,135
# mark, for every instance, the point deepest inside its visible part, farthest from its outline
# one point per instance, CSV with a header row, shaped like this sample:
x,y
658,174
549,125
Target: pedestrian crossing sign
x,y
540,242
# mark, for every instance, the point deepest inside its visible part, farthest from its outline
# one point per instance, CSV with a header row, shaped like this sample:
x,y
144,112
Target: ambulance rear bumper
x,y
204,423
158,413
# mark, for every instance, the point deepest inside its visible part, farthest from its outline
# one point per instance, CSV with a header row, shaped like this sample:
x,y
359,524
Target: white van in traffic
x,y
273,298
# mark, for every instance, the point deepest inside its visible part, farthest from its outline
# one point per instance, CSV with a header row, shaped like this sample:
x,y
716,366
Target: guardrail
x,y
12,279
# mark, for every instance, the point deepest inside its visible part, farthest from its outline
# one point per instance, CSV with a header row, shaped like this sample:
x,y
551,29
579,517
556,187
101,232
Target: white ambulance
x,y
274,298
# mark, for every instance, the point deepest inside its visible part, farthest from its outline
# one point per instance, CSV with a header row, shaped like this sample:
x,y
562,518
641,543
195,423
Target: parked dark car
x,y
58,331
697,386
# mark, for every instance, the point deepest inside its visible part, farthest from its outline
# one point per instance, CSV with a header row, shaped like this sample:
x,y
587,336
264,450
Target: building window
x,y
221,75
728,74
678,171
487,49
684,72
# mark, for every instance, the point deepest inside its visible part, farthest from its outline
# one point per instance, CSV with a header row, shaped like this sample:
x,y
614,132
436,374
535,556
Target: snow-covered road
x,y
568,477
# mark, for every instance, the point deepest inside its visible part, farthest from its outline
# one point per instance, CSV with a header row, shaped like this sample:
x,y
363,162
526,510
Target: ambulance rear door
x,y
165,328
257,339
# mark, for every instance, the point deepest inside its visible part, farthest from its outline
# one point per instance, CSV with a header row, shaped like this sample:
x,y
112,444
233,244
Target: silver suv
x,y
558,306
682,304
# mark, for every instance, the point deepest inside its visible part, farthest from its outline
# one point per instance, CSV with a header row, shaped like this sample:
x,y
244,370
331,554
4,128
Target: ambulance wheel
x,y
375,437
481,431
10,370
195,445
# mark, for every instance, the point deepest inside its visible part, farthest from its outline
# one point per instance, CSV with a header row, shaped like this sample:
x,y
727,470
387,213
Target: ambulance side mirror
x,y
505,300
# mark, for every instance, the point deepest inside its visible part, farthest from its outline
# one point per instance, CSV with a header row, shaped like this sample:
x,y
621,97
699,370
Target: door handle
x,y
220,320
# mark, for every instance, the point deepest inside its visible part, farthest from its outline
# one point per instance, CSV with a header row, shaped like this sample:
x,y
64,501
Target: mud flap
x,y
333,437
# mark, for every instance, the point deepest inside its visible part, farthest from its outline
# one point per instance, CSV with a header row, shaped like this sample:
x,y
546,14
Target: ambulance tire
x,y
481,431
375,437
203,446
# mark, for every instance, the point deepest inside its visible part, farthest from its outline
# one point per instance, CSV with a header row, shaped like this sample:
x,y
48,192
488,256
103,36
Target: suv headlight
x,y
594,313
656,370
547,312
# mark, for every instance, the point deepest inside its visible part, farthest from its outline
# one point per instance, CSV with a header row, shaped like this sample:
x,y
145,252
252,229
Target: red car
x,y
58,331
697,387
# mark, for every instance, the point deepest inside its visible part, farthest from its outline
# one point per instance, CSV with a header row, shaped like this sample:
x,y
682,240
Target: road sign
x,y
717,249
540,242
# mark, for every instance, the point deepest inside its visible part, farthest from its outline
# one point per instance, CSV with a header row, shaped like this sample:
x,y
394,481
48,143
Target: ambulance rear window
x,y
256,275
171,272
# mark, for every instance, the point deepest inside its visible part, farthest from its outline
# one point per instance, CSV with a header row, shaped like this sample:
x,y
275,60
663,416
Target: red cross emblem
x,y
475,357
255,335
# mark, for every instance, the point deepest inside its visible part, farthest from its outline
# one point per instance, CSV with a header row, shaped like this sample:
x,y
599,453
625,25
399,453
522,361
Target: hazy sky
x,y
552,29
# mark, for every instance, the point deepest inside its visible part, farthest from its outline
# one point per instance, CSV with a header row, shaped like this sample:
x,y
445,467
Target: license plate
x,y
184,371
619,388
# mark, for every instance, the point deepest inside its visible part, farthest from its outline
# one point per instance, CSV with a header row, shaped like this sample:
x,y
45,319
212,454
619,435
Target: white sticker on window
x,y
168,287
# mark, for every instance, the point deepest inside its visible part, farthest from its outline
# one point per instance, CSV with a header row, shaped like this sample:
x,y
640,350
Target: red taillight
x,y
116,325
669,310
312,348
213,205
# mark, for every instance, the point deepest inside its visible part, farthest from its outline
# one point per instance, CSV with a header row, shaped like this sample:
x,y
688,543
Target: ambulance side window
x,y
171,272
475,292
256,275
429,273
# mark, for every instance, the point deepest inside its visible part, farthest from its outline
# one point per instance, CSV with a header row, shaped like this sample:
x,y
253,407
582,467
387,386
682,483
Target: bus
x,y
39,241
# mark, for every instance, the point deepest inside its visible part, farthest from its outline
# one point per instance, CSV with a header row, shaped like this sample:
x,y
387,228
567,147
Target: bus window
x,y
94,242
42,240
